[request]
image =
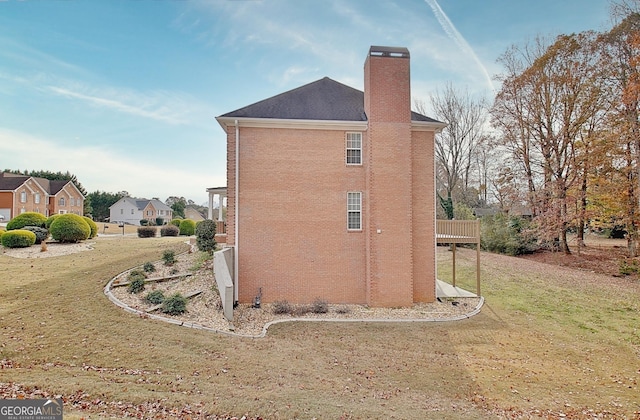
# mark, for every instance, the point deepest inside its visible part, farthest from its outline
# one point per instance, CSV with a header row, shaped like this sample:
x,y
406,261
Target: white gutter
x,y
235,224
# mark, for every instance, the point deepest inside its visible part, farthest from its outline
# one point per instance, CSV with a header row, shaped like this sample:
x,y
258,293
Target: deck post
x,y
454,264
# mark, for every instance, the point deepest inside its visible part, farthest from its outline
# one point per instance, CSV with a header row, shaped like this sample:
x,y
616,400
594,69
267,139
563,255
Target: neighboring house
x,y
23,193
132,210
193,214
333,195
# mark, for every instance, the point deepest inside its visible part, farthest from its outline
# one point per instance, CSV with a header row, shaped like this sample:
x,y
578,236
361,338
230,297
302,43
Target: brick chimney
x,y
387,102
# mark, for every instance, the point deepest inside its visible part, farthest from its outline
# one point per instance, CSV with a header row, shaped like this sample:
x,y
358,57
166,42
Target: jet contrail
x,y
453,33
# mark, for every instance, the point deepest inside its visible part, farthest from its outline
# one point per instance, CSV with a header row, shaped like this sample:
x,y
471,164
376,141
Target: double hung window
x,y
354,148
354,211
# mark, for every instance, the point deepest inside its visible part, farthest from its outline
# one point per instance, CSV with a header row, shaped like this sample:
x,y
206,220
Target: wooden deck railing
x,y
458,231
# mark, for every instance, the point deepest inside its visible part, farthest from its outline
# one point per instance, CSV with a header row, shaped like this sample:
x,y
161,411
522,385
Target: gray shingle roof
x,y
324,99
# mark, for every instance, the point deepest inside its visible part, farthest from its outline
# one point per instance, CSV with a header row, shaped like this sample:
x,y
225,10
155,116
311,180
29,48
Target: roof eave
x,y
434,126
291,123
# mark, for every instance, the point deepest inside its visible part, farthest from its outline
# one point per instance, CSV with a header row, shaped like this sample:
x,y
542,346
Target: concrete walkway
x,y
445,290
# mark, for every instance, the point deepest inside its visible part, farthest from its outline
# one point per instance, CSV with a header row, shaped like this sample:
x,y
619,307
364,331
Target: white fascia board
x,y
427,126
292,124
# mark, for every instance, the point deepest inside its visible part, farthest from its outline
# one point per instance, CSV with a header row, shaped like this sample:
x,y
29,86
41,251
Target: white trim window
x,y
36,198
61,201
354,148
72,201
23,196
354,211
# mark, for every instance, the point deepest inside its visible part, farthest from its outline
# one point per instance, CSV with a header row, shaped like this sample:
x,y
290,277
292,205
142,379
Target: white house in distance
x,y
132,210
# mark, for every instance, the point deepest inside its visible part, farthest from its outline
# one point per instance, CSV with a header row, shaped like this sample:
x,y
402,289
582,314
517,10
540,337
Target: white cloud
x,y
101,169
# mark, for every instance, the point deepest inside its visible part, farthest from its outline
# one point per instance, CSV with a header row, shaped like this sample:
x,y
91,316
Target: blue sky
x,y
124,93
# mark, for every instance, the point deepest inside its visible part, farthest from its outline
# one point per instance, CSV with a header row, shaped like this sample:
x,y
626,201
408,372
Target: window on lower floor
x,y
354,211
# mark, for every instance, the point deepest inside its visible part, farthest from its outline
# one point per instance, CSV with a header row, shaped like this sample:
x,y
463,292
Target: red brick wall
x,y
293,239
424,218
389,180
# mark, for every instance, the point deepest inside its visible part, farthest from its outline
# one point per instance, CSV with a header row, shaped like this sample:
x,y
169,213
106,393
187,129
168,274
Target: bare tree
x,y
457,144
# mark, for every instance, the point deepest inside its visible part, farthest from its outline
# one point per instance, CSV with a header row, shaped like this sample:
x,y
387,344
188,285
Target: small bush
x,y
169,230
159,221
136,286
174,305
343,310
506,235
136,274
42,234
187,227
320,306
176,222
18,238
1,232
148,267
169,257
282,307
92,226
206,235
30,218
70,228
626,268
144,222
50,220
155,297
146,232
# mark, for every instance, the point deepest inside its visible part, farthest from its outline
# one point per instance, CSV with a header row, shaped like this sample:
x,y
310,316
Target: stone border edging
x,y
112,298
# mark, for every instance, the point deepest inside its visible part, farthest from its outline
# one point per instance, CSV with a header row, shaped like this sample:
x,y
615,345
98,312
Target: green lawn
x,y
548,341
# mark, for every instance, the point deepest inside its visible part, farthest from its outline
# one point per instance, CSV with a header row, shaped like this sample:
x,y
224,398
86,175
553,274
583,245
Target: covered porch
x,y
221,227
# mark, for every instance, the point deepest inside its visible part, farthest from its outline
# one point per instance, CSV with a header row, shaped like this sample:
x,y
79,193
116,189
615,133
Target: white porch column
x,y
210,205
221,200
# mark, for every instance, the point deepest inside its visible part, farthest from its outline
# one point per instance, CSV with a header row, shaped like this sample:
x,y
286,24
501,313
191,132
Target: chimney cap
x,y
398,52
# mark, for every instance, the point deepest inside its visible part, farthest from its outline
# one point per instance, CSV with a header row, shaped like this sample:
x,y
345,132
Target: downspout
x,y
235,224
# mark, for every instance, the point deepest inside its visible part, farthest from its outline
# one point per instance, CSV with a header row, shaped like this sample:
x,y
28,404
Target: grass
x,y
553,343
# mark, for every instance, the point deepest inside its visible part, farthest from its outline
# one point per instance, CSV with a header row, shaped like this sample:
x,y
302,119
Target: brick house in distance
x,y
331,192
24,193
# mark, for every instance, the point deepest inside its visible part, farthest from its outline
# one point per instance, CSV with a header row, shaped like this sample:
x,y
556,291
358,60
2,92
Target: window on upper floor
x,y
121,211
72,201
61,201
36,198
354,211
354,148
23,197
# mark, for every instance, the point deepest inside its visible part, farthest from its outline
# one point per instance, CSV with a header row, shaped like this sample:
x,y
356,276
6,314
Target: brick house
x,y
23,193
331,191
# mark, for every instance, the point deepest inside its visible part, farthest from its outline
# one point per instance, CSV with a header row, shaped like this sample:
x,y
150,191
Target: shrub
x,y
159,221
320,306
505,235
30,218
146,232
155,297
148,267
92,226
174,305
42,234
206,235
169,257
144,222
136,286
50,220
70,228
136,279
343,310
176,222
626,268
187,227
18,238
281,307
1,232
169,230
